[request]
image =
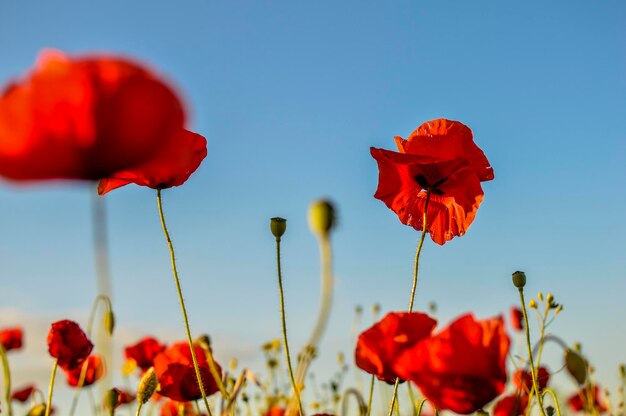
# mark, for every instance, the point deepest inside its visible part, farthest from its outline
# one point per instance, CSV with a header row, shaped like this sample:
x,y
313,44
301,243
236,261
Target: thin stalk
x,y
79,387
139,409
556,401
533,370
283,321
416,261
7,379
541,333
182,302
359,399
51,387
369,402
412,398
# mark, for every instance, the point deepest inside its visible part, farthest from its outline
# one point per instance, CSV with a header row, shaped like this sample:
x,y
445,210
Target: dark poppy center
x,y
431,187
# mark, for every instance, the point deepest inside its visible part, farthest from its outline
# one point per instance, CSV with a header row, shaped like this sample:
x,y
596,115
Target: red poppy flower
x,y
11,338
438,159
23,394
463,367
581,401
68,343
517,318
84,118
172,166
176,374
379,346
93,373
144,352
511,405
523,380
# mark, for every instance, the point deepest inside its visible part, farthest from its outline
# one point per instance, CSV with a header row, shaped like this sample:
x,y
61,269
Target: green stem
x,y
541,333
92,315
414,286
556,402
420,406
412,398
182,302
283,321
369,402
139,409
530,353
7,379
79,387
51,387
361,403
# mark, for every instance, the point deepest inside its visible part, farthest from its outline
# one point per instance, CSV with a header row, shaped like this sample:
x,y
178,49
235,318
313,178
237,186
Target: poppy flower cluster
x,y
96,117
460,368
438,168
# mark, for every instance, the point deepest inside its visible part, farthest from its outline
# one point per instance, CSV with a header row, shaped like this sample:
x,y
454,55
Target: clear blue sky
x,y
290,96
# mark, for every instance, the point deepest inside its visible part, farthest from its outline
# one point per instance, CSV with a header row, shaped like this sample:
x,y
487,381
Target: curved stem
x,y
7,379
556,402
416,261
361,403
281,296
420,406
308,352
51,387
182,303
139,409
533,370
94,308
369,402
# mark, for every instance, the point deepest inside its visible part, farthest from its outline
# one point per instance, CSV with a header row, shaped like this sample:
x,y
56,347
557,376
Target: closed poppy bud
x,y
68,343
147,386
321,217
576,365
111,399
278,226
38,410
519,279
109,322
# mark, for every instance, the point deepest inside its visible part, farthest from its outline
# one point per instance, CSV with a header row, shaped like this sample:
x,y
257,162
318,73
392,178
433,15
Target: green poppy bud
x,y
37,410
519,279
109,322
321,217
147,386
278,226
111,399
576,365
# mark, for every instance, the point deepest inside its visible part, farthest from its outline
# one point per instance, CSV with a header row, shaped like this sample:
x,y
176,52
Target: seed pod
x,y
147,386
576,365
519,279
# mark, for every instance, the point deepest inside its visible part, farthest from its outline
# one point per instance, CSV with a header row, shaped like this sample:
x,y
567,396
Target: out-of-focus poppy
x,y
511,405
438,159
93,372
379,346
176,374
123,397
172,166
582,401
461,368
24,393
174,408
275,411
516,317
11,338
68,343
523,379
84,118
144,352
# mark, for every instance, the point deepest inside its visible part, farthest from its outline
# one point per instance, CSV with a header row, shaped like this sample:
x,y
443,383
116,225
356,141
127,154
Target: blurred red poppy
x,y
275,411
123,397
511,405
84,118
176,374
379,346
438,159
68,343
461,368
11,338
172,166
174,408
582,401
144,352
23,394
517,318
93,372
523,380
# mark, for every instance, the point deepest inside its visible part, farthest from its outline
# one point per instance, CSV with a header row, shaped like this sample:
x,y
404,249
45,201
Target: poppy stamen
x,y
425,184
